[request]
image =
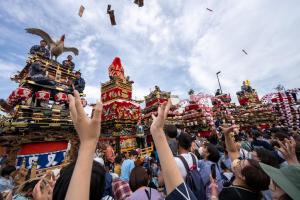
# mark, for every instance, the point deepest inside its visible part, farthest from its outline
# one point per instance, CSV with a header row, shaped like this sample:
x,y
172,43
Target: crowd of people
x,y
230,164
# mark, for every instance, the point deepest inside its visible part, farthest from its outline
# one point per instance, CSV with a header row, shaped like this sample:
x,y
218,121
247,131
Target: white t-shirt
x,y
189,160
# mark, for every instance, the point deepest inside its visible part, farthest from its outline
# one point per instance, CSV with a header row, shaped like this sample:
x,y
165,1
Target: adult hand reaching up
x,y
88,131
158,122
172,176
230,143
287,148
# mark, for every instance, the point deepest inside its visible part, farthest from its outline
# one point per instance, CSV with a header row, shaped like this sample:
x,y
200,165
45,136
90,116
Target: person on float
x,y
79,82
40,49
140,135
68,63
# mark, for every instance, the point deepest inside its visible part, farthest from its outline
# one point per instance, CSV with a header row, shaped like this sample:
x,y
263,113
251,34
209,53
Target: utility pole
x,y
219,81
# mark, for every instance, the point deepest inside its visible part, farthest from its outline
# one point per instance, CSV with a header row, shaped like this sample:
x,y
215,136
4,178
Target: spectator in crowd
x,y
265,156
109,156
184,145
171,134
285,183
6,179
211,157
250,179
97,182
138,182
259,142
121,189
118,162
140,135
128,165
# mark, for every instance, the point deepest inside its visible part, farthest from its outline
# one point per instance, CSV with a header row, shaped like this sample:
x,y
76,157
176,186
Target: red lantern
x,y
22,93
42,95
11,99
61,97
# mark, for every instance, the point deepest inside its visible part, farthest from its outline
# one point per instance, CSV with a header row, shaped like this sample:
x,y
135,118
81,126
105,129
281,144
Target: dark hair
x,y
170,131
43,41
97,185
255,178
267,157
214,154
6,171
118,159
133,153
256,134
185,141
213,138
138,178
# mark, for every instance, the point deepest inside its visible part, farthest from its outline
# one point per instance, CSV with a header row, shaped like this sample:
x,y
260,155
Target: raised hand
x,y
287,148
88,129
42,194
159,121
228,130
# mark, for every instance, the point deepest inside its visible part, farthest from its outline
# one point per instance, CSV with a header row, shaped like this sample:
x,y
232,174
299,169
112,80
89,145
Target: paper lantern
x,y
61,97
22,93
42,95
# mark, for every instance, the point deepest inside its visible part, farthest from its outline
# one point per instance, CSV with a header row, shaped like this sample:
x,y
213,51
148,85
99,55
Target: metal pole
x,y
219,81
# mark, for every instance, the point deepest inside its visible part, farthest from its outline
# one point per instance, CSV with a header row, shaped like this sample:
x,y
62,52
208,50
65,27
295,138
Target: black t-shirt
x,y
236,193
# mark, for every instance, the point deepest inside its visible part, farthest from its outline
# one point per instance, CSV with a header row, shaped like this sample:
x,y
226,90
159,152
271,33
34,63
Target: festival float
x,y
152,102
222,109
286,104
37,133
120,113
252,112
38,128
198,116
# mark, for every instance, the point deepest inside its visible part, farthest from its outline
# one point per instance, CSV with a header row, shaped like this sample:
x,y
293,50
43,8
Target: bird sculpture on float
x,y
56,48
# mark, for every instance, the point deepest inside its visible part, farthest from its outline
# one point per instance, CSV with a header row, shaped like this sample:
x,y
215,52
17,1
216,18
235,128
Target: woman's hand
x,y
88,129
43,194
159,121
287,148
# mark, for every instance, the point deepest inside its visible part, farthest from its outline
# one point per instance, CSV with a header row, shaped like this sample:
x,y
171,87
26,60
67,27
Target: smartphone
x,y
213,171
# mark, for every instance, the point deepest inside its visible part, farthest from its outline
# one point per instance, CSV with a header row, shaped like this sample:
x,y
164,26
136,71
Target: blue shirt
x,y
205,171
126,168
6,184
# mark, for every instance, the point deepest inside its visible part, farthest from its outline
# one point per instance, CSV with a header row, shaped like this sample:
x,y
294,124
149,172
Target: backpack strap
x,y
194,161
147,193
186,165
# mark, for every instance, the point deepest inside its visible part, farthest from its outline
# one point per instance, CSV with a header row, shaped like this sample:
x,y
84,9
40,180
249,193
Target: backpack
x,y
226,181
193,179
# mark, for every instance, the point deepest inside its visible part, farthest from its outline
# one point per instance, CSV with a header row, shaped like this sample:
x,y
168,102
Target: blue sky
x,y
176,44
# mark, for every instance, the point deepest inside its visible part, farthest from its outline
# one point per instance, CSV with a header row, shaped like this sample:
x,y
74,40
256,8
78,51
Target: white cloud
x,y
7,69
93,93
172,43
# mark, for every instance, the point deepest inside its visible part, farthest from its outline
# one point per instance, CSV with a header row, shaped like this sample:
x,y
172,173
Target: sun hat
x,y
287,178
